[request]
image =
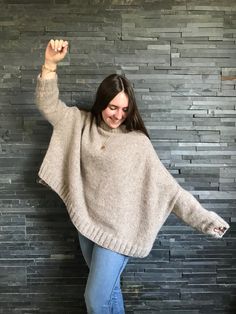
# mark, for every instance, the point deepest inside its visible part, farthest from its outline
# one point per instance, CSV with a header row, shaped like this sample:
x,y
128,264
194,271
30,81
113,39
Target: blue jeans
x,y
103,292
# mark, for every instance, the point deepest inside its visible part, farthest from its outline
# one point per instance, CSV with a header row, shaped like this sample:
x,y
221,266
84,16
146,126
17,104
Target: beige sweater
x,y
116,190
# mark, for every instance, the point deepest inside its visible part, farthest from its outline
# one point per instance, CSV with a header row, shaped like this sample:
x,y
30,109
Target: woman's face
x,y
116,111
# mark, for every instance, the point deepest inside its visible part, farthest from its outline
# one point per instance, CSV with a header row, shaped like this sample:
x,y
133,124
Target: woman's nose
x,y
118,115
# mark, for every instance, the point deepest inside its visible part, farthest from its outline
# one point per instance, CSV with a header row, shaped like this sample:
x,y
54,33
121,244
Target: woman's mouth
x,y
115,121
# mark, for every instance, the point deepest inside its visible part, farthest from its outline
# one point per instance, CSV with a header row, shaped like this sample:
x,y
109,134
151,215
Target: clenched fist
x,y
56,51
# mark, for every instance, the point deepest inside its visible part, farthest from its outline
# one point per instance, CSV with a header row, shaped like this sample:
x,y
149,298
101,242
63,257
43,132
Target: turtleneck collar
x,y
120,129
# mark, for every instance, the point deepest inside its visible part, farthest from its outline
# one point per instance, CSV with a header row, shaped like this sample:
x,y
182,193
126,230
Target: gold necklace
x,y
106,141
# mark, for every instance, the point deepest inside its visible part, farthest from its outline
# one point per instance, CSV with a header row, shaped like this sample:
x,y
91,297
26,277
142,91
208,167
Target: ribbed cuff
x,y
216,222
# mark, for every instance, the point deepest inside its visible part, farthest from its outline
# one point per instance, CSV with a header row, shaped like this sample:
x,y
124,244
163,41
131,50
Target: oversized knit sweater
x,y
115,188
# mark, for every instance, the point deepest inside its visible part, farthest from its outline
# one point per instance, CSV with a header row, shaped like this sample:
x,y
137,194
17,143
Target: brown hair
x,y
107,90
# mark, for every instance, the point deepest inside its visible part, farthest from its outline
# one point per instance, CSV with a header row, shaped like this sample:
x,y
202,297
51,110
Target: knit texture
x,y
115,188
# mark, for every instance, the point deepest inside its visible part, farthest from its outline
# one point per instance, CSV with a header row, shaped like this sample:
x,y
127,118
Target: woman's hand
x,y
220,230
55,52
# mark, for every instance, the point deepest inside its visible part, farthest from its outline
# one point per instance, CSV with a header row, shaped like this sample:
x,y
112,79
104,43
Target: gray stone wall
x,y
181,58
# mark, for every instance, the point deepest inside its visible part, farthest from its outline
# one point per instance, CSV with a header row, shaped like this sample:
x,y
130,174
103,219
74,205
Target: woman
x,y
116,190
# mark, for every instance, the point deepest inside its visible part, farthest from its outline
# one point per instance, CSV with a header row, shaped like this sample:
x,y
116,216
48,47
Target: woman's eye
x,y
114,108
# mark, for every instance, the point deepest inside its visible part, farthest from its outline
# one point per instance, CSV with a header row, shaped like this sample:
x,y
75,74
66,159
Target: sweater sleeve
x,y
192,213
47,100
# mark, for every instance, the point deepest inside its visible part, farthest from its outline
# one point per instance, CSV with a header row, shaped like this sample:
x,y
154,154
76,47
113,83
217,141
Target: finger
x,y
56,44
222,228
65,49
52,43
60,43
65,43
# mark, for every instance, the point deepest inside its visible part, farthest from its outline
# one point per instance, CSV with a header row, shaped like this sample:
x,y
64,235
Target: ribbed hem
x,y
108,241
92,232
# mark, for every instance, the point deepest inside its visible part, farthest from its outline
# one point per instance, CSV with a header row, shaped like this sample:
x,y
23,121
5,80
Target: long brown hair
x,y
107,90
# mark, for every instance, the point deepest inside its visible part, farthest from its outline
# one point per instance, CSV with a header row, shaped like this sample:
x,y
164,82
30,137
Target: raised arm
x,y
55,52
47,93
